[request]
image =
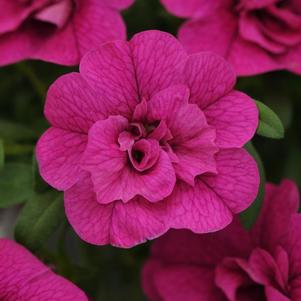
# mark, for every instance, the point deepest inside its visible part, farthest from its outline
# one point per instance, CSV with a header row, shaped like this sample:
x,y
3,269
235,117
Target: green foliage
x,y
1,154
15,132
248,217
15,184
270,124
39,218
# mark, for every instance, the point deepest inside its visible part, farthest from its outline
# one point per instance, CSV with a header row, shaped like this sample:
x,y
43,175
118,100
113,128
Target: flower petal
x,y
112,176
196,34
239,57
24,277
118,224
197,208
273,294
110,69
58,154
193,141
73,105
182,282
280,205
159,60
91,25
209,77
235,118
186,247
13,13
237,179
119,4
194,8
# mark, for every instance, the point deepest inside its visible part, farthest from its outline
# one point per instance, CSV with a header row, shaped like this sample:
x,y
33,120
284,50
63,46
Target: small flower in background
x,y
233,264
24,277
254,36
57,31
146,138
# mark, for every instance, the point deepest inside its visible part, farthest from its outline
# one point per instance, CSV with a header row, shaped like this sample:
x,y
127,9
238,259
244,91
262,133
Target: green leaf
x,y
11,131
248,217
39,218
15,184
1,154
38,183
270,124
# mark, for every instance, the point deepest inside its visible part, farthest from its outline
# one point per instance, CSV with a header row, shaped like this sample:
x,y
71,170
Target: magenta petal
x,y
91,25
292,244
235,118
192,141
194,8
24,277
90,220
279,206
255,4
13,13
159,59
112,176
119,4
59,153
196,155
296,288
184,246
239,57
73,105
230,276
56,13
196,34
95,24
264,270
185,282
147,278
292,60
273,294
180,8
110,70
209,77
237,179
250,30
119,224
149,150
197,208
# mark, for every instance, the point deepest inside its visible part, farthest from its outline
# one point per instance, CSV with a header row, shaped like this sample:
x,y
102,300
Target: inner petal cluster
x,y
275,27
157,144
56,13
263,276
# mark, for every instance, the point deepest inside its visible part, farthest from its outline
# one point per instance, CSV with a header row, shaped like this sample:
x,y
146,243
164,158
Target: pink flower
x,y
58,31
254,36
233,264
24,278
146,138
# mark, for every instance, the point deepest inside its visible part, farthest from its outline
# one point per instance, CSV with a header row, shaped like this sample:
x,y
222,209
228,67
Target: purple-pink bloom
x,y
58,31
254,36
147,138
24,278
233,264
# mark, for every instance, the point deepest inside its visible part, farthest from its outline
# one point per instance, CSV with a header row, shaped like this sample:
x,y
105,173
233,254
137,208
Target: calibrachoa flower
x,y
58,31
24,278
254,36
233,264
146,138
